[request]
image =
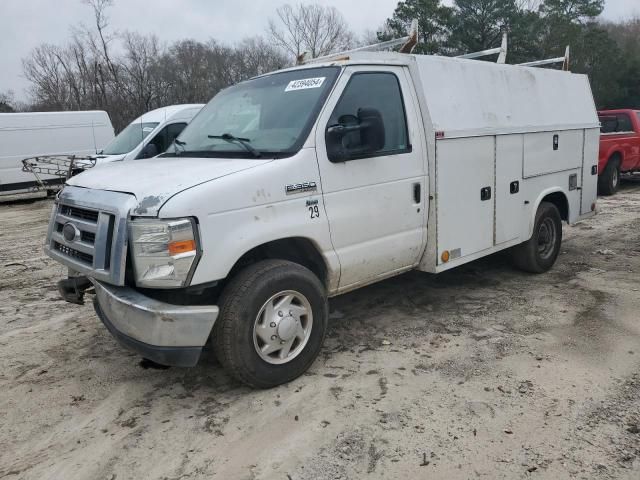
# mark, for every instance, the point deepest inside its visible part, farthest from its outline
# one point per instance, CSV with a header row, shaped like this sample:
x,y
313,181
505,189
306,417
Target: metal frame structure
x,y
409,42
538,63
61,166
501,51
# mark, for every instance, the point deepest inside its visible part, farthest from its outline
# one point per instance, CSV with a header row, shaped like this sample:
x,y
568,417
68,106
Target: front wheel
x,y
539,253
272,322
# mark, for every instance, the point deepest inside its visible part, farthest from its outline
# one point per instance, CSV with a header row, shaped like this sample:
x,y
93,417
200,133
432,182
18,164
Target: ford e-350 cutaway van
x,y
305,183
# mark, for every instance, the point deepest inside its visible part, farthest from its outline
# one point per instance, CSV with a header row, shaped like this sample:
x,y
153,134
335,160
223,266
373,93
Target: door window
x,y
615,123
167,135
624,123
173,131
369,119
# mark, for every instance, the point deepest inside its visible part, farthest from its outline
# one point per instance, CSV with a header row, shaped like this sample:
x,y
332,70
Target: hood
x,y
153,181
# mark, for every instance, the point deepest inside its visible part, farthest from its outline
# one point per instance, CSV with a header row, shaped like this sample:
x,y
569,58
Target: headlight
x,y
164,252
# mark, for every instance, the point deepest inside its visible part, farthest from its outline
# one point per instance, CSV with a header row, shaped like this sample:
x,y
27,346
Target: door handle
x,y
416,193
485,193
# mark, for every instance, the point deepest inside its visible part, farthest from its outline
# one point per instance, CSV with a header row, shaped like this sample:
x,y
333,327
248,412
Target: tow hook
x,y
72,289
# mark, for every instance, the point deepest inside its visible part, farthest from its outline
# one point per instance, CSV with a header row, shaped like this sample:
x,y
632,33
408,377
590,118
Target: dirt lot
x,y
481,372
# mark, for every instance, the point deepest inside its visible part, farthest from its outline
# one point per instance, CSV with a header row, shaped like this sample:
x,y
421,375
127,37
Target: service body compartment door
x,y
465,195
589,190
509,202
551,152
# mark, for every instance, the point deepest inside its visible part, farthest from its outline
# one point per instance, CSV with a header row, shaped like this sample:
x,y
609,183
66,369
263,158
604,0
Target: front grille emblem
x,y
70,232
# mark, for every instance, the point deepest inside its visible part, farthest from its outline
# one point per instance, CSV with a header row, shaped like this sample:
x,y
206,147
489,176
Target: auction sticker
x,y
305,83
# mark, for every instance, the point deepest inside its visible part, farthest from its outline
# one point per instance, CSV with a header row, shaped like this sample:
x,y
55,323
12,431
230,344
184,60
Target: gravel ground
x,y
480,372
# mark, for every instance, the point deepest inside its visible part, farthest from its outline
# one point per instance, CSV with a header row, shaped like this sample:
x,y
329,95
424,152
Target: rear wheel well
x,y
295,249
615,156
560,201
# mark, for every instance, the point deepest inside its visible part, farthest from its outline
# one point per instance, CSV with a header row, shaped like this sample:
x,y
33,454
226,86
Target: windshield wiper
x,y
242,141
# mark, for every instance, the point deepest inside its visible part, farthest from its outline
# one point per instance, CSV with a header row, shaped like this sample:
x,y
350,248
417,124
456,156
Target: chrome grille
x,y
94,240
73,253
80,213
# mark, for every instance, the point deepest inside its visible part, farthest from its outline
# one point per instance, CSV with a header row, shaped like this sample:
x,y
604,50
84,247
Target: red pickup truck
x,y
619,147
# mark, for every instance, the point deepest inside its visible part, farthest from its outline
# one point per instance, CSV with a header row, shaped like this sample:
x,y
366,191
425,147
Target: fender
x,y
538,201
603,158
253,207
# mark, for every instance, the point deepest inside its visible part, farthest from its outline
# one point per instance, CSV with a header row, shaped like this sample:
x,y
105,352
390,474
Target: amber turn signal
x,y
445,256
184,246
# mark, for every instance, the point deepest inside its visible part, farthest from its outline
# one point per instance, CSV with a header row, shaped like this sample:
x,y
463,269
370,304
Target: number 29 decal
x,y
312,206
315,213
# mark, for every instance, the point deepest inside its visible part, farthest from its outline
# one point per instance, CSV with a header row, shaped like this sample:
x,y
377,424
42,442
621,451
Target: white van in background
x,y
149,134
32,134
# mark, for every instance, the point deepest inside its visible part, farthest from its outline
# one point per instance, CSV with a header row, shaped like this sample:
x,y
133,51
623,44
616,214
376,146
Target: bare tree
x,y
316,29
7,102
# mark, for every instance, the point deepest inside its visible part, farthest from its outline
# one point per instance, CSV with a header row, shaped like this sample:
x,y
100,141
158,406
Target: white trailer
x,y
34,134
308,182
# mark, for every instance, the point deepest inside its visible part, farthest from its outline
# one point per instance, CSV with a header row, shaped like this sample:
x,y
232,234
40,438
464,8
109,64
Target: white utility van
x,y
305,183
31,134
149,134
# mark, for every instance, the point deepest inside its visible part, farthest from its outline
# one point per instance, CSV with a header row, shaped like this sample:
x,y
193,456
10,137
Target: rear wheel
x,y
609,181
273,318
539,253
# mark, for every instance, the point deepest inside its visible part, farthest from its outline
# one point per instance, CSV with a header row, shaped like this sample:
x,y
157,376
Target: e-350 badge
x,y
300,188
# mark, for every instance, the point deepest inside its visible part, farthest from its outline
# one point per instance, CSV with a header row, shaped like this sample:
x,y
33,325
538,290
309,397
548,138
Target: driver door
x,y
375,198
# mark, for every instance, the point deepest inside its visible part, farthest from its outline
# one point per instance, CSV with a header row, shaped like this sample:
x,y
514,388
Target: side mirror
x,y
149,150
355,136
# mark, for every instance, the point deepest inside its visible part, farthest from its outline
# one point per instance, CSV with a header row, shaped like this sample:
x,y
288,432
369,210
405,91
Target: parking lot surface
x,y
479,372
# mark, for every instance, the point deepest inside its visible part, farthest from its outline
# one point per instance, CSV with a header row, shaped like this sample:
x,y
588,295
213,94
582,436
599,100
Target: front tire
x,y
272,322
539,253
609,181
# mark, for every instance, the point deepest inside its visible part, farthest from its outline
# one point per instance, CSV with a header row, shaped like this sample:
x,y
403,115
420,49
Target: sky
x,y
25,24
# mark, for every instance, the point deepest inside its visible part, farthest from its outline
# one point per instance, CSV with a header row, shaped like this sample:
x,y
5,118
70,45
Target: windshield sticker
x,y
305,83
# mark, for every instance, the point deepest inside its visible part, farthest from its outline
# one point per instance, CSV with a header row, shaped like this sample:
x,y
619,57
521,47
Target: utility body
x,y
309,182
619,147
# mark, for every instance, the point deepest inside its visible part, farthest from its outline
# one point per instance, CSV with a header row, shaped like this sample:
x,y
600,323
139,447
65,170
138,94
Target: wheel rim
x,y
614,178
547,235
282,327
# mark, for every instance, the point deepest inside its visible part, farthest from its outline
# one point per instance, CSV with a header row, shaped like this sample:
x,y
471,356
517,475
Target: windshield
x,y
269,115
129,138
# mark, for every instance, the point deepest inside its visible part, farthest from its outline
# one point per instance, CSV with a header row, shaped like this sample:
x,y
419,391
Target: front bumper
x,y
164,333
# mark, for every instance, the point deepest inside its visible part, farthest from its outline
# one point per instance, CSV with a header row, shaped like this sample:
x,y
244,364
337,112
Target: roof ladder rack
x,y
408,44
501,51
538,63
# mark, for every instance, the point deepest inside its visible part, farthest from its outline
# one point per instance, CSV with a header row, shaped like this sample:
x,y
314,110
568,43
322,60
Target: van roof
x,y
53,119
162,114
